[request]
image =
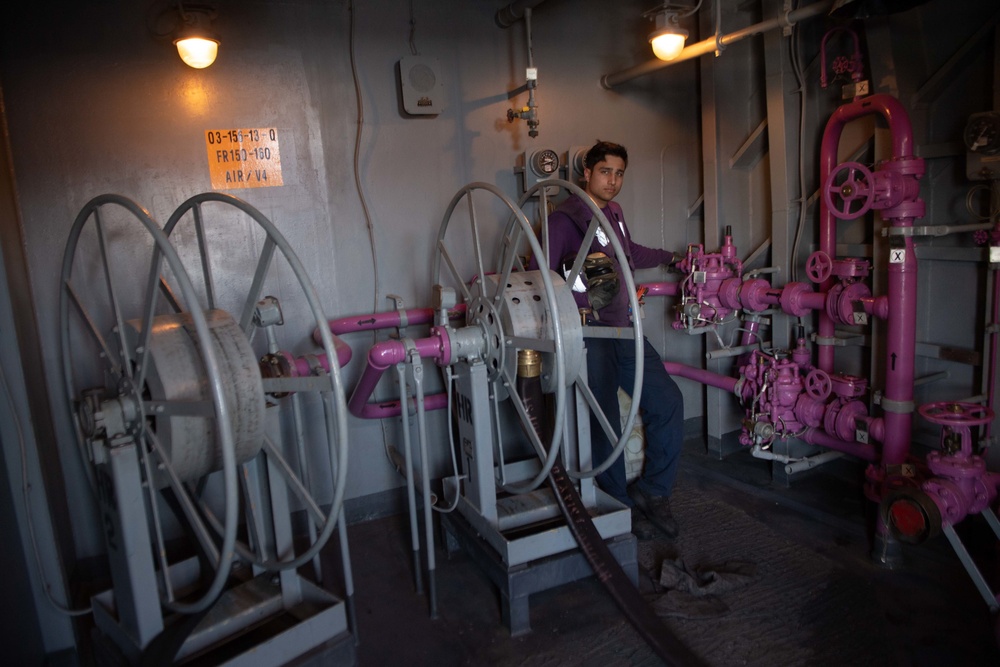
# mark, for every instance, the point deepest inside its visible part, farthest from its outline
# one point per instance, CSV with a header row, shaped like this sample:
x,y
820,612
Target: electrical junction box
x,y
420,85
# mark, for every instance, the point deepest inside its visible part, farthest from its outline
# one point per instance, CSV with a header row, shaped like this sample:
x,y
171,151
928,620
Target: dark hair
x,y
601,150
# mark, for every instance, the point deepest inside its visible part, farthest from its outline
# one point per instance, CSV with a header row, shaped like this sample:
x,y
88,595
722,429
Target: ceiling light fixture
x,y
196,43
669,37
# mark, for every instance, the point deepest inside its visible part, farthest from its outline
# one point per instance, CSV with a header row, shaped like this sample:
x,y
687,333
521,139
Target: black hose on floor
x,y
649,626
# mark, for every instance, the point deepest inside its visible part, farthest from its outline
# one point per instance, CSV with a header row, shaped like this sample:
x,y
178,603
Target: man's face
x,y
604,181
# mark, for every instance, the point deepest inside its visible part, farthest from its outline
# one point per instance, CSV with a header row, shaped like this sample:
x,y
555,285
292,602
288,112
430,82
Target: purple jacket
x,y
567,225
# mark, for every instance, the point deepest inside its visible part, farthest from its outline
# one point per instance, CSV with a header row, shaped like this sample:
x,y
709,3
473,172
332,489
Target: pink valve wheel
x,y
956,414
818,384
848,185
819,266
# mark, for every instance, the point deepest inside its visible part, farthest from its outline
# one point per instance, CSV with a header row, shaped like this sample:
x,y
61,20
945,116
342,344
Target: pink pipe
x,y
902,287
750,329
661,289
817,437
383,356
301,364
876,306
902,140
700,375
386,320
394,409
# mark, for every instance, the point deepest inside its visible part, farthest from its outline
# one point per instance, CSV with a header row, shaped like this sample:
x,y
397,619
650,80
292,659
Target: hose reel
x,y
496,298
169,401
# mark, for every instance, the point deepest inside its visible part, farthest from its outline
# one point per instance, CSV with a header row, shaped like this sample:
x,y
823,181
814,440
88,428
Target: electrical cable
x,y
413,32
357,169
802,200
450,378
26,491
357,150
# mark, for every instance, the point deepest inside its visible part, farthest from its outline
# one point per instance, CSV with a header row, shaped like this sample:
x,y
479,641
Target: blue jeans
x,y
611,364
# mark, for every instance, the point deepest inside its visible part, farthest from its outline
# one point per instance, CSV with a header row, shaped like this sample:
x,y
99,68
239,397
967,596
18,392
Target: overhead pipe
x,y
717,43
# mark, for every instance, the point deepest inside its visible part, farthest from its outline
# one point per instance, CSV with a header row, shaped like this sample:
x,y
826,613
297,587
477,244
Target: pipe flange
x,y
791,299
911,515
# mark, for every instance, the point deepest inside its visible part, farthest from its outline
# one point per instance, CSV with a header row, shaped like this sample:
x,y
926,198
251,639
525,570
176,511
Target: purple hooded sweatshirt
x,y
567,225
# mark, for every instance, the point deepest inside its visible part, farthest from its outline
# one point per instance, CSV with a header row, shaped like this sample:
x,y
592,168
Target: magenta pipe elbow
x,y
383,356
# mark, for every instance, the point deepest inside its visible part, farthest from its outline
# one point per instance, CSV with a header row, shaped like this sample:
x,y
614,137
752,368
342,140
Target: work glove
x,y
602,279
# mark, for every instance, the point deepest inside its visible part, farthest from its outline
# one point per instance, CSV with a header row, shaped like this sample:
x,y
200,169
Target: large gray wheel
x,y
507,322
111,346
513,241
325,382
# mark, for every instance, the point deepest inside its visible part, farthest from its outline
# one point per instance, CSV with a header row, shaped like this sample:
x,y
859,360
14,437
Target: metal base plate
x,y
248,626
533,528
517,582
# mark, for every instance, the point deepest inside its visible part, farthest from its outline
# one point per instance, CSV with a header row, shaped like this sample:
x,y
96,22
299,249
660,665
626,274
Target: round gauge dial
x,y
545,162
982,133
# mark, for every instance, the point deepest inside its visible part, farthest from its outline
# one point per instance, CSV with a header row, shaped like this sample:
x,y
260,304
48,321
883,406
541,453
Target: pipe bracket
x,y
897,407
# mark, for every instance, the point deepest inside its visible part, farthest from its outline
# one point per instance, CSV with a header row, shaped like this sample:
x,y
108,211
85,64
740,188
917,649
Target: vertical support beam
x,y
126,532
472,408
20,335
713,162
783,149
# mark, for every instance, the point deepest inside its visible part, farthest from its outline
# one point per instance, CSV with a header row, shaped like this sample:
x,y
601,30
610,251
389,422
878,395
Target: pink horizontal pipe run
x,y
387,320
393,409
662,289
699,375
823,439
383,356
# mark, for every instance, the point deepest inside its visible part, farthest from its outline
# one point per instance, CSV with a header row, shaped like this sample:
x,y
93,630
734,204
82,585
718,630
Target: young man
x,y
611,362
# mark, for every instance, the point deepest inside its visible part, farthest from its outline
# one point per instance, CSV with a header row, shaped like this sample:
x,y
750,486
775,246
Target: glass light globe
x,y
197,52
668,43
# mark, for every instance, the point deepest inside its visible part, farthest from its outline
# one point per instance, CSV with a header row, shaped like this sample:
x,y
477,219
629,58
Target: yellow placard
x,y
243,158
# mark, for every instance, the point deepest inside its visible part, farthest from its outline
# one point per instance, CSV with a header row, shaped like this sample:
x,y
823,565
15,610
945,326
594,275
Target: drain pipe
x,y
512,13
715,43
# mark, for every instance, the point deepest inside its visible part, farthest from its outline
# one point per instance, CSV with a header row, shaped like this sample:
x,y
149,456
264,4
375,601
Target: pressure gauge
x,y
982,133
545,162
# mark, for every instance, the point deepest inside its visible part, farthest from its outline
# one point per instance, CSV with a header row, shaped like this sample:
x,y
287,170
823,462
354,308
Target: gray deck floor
x,y
813,596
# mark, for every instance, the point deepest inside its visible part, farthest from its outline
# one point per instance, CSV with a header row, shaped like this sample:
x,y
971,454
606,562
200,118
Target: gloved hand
x,y
673,266
602,279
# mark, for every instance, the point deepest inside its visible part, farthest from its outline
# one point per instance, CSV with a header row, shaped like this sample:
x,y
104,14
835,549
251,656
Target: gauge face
x,y
545,162
982,133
